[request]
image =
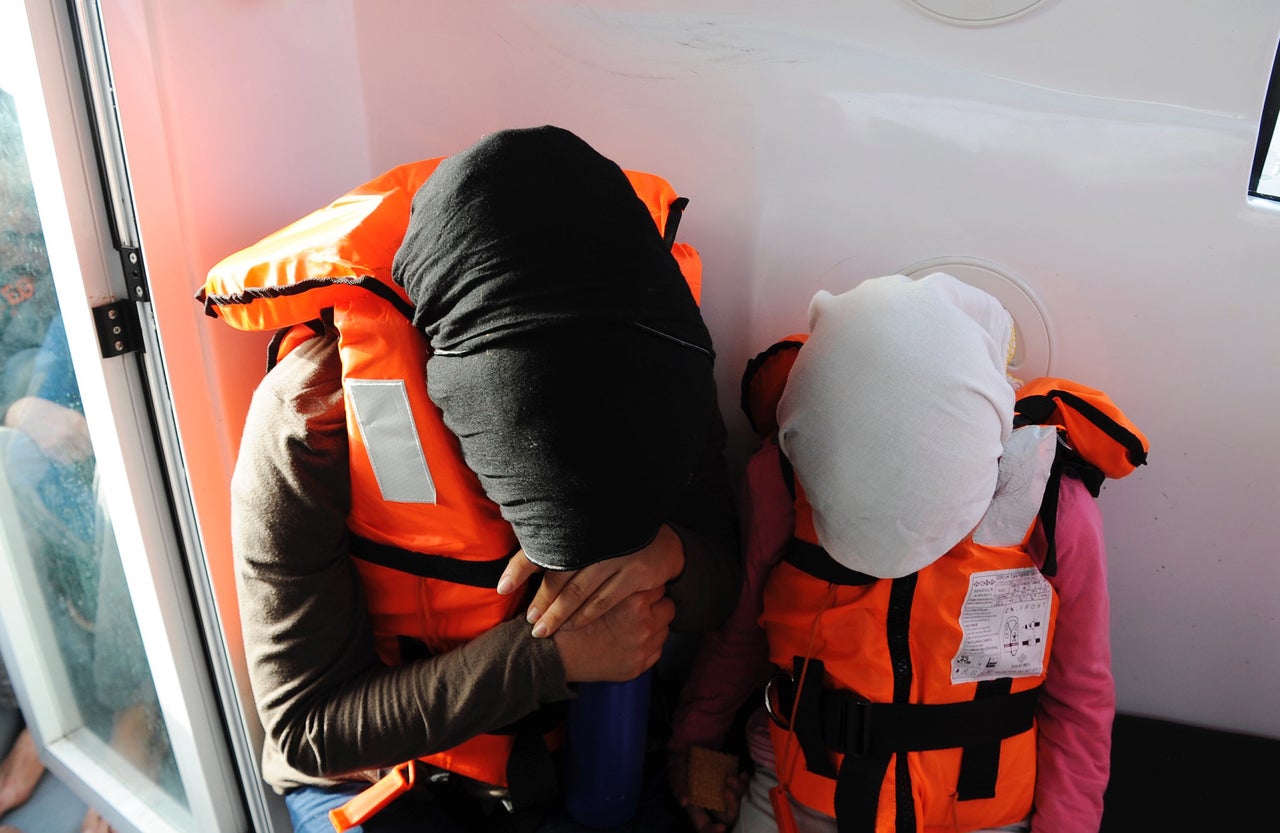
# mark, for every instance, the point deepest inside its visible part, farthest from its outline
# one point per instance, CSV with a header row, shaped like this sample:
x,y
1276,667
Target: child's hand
x,y
576,598
728,802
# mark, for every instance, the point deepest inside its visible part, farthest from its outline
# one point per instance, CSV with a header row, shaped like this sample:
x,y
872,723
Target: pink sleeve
x,y
733,661
1077,703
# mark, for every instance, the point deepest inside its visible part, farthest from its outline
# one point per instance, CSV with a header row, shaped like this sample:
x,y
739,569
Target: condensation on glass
x,y
51,511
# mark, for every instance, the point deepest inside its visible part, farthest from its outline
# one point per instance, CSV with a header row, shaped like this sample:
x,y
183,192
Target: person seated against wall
x,y
349,682
925,599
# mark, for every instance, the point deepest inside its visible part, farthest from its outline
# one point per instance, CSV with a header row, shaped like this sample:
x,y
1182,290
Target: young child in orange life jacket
x,y
932,659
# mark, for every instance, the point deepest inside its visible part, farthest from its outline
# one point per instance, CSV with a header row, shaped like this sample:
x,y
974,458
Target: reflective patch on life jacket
x,y
381,409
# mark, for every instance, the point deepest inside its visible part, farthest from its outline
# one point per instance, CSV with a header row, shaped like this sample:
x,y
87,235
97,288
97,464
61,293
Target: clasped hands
x,y
609,620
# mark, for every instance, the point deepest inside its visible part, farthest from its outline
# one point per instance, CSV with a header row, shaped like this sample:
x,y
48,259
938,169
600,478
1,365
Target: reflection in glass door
x,y
98,625
61,543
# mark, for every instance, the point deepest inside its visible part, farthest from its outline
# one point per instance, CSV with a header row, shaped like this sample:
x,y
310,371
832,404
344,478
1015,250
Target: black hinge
x,y
118,329
135,276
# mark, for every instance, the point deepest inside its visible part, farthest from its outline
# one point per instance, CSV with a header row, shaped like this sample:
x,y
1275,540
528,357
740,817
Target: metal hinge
x,y
135,276
119,331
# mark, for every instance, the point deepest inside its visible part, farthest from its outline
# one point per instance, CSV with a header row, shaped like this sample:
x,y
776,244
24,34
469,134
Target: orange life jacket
x,y
908,704
428,544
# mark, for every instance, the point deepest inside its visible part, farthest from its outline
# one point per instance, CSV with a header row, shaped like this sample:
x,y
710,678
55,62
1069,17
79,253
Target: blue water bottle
x,y
605,744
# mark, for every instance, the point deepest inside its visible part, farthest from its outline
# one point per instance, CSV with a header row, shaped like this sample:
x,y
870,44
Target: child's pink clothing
x,y
1076,703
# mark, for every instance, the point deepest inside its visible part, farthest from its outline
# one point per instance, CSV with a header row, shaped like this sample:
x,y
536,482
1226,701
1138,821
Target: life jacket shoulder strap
x,y
1095,441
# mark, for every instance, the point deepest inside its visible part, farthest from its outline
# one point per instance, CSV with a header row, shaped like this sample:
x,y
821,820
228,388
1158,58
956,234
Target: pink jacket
x,y
1076,704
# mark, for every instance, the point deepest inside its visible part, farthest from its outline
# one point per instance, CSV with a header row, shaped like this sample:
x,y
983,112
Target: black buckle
x,y
852,724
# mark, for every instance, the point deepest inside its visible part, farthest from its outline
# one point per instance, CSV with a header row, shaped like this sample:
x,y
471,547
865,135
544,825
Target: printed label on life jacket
x,y
1005,621
386,424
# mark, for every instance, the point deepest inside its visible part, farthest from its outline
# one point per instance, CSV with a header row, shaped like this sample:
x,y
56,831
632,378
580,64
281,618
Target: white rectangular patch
x,y
381,408
1005,621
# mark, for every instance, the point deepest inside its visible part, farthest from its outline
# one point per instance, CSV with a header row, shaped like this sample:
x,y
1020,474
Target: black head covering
x,y
569,356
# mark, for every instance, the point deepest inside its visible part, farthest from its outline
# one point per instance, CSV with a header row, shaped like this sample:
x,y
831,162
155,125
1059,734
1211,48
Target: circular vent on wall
x,y
975,12
1033,352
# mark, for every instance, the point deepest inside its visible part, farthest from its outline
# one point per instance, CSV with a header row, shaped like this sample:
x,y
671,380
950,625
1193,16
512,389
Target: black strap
x,y
898,627
316,325
251,294
425,565
858,791
889,729
674,212
817,562
808,731
1049,518
811,558
855,727
870,734
980,762
851,723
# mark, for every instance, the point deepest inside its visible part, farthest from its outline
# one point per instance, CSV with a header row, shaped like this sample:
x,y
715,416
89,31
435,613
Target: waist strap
x,y
851,725
817,562
425,565
870,734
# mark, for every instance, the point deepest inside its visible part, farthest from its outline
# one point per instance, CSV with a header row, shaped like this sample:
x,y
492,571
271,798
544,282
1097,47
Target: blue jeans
x,y
309,809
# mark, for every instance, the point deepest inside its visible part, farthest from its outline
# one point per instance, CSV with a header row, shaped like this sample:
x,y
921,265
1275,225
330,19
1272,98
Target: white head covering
x,y
895,416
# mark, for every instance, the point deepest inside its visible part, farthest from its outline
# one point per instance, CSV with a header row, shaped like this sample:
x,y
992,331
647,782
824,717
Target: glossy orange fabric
x,y
310,264
852,641
313,263
1094,445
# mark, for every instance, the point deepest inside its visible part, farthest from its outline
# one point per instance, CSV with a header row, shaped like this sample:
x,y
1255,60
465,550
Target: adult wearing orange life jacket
x,y
422,657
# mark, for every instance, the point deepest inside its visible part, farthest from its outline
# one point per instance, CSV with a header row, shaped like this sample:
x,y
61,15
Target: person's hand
x,y
20,771
576,598
620,645
94,823
61,433
704,820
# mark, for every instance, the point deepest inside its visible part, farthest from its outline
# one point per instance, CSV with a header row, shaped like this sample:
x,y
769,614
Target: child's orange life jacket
x,y
916,710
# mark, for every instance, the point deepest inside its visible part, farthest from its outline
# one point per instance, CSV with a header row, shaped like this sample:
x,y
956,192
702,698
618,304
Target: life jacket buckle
x,y
776,712
853,724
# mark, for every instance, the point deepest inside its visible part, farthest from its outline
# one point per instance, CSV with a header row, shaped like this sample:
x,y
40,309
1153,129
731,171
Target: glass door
x,y
99,628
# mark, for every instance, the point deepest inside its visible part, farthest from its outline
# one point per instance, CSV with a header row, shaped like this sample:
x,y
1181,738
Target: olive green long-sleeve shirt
x,y
330,709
